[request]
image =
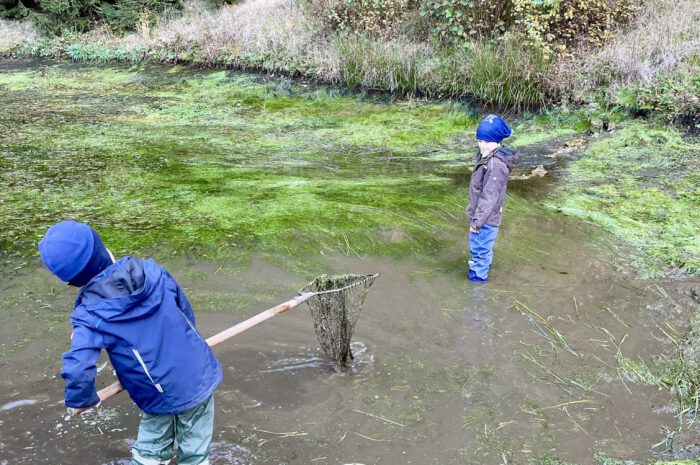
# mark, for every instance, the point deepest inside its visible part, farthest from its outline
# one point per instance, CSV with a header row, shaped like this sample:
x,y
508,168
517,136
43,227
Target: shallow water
x,y
446,372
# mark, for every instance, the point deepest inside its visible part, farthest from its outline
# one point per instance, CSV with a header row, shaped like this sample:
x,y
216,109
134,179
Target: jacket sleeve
x,y
494,187
184,304
79,367
181,299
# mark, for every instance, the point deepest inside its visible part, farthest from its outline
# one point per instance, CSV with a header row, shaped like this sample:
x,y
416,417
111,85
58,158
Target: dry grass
x,y
16,34
664,37
282,36
264,29
273,31
254,27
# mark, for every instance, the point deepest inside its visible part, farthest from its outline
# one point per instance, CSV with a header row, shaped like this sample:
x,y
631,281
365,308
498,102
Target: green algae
x,y
641,185
220,164
217,164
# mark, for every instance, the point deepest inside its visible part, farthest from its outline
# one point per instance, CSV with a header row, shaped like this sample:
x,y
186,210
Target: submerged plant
x,y
679,372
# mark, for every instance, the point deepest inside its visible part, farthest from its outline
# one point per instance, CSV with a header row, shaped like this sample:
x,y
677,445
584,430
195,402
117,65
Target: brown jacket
x,y
487,188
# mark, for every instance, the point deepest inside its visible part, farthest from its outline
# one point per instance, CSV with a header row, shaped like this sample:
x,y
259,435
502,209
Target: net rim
x,y
363,279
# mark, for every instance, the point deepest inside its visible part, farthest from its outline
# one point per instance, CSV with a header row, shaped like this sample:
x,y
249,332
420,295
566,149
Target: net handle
x,y
340,289
116,388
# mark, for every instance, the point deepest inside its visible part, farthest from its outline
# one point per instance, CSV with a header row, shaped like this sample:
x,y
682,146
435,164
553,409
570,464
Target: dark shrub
x,y
57,16
456,22
12,9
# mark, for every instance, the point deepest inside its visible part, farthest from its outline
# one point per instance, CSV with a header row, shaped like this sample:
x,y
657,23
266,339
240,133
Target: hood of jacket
x,y
507,156
503,153
129,289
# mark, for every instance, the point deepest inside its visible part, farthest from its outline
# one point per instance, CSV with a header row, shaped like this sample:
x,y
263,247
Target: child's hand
x,y
77,411
473,229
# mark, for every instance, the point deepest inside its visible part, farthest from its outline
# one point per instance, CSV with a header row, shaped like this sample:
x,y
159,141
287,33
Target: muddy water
x,y
446,372
520,370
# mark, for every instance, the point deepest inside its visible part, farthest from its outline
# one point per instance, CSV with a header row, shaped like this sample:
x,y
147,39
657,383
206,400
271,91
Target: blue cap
x,y
492,129
74,252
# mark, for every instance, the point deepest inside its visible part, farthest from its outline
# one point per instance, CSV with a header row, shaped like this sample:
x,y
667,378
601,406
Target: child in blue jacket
x,y
136,311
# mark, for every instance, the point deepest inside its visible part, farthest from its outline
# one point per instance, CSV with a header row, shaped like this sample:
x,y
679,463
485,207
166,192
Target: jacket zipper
x,y
158,387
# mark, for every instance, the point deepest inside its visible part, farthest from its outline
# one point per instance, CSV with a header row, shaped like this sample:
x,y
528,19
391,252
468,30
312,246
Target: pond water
x,y
245,189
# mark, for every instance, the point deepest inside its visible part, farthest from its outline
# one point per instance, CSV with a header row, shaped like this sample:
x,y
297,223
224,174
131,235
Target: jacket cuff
x,y
82,403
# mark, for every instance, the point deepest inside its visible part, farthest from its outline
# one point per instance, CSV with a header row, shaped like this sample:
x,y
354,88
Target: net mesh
x,y
335,311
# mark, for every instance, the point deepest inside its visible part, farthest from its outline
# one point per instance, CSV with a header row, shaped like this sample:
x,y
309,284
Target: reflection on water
x,y
477,338
18,403
224,453
313,358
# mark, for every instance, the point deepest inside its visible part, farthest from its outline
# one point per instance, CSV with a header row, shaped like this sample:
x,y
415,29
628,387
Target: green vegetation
x,y
642,186
679,373
218,164
603,460
59,16
674,96
510,54
284,169
502,74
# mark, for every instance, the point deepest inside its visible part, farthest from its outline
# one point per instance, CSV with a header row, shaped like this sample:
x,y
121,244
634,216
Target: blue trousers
x,y
481,252
192,430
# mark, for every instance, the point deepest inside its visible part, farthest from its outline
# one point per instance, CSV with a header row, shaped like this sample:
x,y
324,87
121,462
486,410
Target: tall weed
x,y
395,65
504,75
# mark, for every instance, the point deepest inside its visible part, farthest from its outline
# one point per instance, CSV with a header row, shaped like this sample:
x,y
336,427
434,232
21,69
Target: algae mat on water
x,y
642,184
215,163
218,164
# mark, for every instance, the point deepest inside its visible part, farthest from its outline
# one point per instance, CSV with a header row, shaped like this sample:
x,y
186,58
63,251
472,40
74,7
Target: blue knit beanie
x,y
73,252
492,129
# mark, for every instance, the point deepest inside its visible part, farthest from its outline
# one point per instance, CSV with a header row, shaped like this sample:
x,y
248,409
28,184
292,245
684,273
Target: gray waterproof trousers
x,y
191,429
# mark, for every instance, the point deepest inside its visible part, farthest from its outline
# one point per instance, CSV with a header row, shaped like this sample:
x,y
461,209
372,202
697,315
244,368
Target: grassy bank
x,y
284,41
648,67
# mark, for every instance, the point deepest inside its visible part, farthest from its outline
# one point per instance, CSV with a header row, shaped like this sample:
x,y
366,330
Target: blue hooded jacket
x,y
137,312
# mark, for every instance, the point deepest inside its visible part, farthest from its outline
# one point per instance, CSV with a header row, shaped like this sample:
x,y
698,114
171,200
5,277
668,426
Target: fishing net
x,y
335,309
